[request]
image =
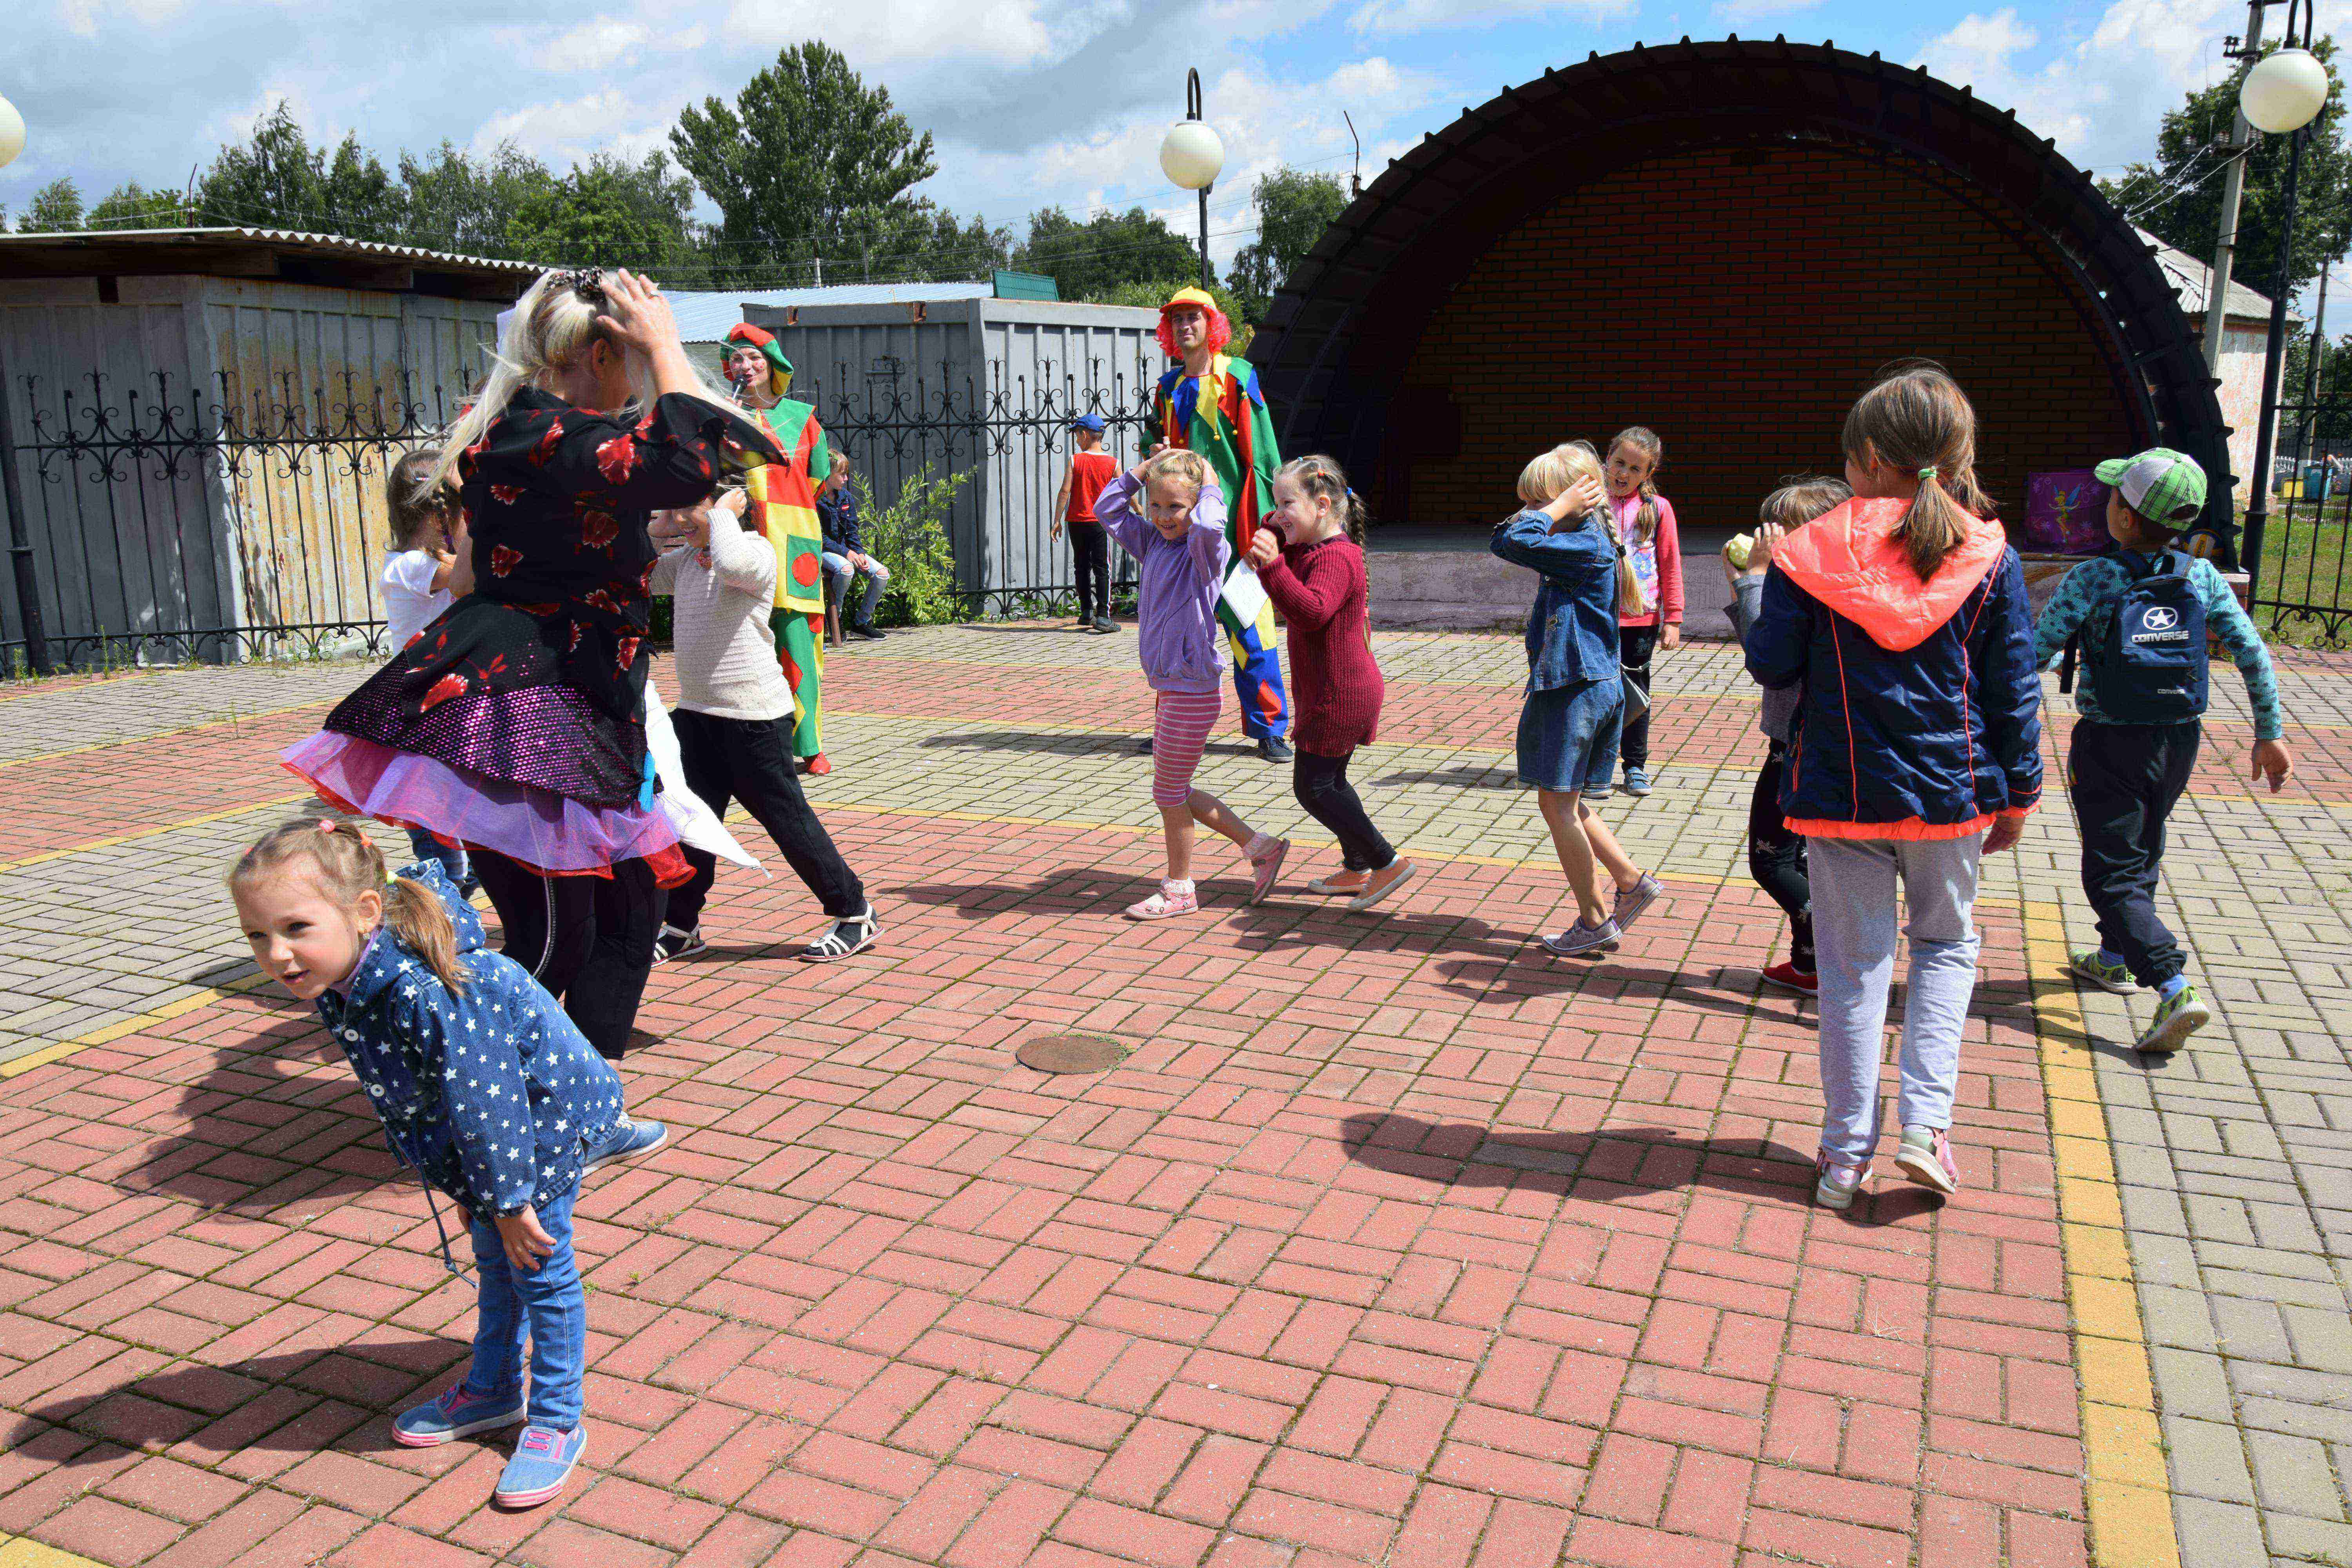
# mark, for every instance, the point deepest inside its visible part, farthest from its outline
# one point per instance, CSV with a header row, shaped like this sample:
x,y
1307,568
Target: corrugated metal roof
x,y
704,315
2191,279
292,240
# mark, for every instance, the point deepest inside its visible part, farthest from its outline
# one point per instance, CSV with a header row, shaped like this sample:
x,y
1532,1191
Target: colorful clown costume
x,y
1222,414
784,499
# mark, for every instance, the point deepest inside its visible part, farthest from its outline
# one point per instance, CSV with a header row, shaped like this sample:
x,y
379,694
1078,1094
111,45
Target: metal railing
x,y
166,525
2302,563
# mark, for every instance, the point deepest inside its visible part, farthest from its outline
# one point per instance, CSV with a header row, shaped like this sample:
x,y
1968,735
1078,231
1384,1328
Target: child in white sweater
x,y
734,721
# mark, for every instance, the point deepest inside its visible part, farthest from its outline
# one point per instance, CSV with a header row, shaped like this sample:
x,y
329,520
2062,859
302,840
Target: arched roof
x,y
1402,247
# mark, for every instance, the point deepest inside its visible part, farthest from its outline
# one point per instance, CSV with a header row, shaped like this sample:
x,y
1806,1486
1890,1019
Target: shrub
x,y
910,537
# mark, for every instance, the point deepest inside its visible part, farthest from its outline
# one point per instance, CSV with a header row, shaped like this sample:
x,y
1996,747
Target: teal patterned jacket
x,y
493,1095
2098,583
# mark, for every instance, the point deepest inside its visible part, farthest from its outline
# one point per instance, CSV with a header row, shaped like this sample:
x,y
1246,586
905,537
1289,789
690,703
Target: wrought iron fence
x,y
167,525
2302,566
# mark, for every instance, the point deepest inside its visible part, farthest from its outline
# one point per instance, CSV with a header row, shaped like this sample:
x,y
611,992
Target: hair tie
x,y
326,825
587,282
1926,473
390,876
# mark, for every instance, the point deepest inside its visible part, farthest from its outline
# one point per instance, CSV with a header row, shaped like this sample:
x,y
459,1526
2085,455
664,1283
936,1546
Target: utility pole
x,y
2233,188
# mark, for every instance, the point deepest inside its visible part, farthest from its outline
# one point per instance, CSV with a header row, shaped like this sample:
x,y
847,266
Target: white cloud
x,y
626,124
1740,13
2098,96
81,16
891,32
1390,16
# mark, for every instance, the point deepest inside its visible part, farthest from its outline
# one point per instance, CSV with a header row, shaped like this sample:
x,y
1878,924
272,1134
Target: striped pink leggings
x,y
1179,728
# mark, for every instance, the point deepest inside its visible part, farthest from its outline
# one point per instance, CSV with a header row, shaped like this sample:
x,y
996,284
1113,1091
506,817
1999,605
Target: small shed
x,y
2244,339
199,420
977,385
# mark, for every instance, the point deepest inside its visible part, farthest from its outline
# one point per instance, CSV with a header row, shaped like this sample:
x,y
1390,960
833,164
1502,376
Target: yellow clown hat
x,y
1199,298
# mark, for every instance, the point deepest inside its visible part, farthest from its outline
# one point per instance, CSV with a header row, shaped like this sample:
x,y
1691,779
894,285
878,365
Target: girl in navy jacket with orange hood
x,y
1918,745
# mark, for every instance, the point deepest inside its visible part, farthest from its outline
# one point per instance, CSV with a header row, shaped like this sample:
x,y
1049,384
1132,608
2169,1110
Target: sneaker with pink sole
x,y
1266,865
1926,1156
1173,898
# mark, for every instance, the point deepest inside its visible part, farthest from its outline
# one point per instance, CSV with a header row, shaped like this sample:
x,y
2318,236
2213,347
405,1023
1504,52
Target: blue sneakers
x,y
457,1414
1637,782
1580,938
543,1462
629,1139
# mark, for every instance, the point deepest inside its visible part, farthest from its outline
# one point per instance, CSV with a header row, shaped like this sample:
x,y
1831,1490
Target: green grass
x,y
2305,562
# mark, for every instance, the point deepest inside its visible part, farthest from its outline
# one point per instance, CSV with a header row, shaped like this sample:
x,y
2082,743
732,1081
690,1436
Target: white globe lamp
x,y
12,131
2283,92
1191,155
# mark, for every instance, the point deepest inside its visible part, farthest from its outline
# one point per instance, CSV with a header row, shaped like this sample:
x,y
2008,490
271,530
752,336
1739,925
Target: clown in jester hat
x,y
1210,403
784,500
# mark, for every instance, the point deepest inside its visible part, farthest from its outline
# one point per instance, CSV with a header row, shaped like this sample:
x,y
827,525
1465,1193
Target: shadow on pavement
x,y
1619,1165
298,1401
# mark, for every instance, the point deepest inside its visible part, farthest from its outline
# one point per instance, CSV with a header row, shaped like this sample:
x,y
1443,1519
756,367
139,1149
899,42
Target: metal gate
x,y
2301,565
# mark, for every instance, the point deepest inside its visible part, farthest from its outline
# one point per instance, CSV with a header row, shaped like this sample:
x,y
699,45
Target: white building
x,y
2248,327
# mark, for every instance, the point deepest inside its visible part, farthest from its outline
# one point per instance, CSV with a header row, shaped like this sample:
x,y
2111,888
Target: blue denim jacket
x,y
1572,629
493,1095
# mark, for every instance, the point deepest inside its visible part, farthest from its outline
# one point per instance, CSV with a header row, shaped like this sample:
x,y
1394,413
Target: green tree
x,y
2178,198
1151,293
55,208
132,206
607,213
1088,260
1294,208
276,179
914,241
805,144
459,203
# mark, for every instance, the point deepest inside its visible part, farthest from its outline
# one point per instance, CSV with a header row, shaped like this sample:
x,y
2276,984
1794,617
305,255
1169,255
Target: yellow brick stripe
x,y
115,1031
2130,1495
15,1552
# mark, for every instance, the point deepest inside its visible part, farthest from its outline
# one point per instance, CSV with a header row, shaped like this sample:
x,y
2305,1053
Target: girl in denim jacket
x,y
485,1087
1576,685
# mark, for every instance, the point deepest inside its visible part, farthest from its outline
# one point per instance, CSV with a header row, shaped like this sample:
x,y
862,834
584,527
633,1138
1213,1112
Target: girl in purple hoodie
x,y
1180,555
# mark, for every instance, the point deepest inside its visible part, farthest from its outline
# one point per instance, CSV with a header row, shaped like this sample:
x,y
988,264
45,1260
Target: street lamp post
x,y
2282,94
20,541
1191,155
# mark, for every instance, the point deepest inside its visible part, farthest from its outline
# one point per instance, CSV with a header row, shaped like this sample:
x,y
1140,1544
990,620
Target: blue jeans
x,y
1855,910
877,577
550,1303
431,851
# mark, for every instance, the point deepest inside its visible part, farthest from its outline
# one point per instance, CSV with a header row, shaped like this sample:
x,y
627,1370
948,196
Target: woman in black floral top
x,y
514,723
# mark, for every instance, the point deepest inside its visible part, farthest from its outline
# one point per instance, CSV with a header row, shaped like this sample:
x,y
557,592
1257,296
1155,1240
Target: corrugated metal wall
x,y
982,386
290,398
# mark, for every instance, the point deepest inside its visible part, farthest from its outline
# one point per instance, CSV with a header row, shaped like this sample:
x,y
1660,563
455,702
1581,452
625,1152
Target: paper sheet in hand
x,y
695,821
1242,598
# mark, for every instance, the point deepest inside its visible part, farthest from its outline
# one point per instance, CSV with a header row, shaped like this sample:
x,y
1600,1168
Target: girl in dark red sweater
x,y
1310,560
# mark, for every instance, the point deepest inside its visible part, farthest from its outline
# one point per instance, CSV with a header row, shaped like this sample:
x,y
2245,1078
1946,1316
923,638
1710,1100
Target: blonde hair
x,y
1802,498
557,321
1181,464
1918,421
1319,476
346,864
413,499
1550,475
1644,440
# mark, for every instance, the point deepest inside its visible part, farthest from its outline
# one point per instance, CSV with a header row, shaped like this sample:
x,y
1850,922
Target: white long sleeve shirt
x,y
726,654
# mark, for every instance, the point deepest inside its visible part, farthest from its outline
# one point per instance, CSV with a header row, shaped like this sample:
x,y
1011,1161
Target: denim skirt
x,y
1567,736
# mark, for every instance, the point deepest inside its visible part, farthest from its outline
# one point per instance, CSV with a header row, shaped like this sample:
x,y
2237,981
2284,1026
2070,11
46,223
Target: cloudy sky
x,y
1032,104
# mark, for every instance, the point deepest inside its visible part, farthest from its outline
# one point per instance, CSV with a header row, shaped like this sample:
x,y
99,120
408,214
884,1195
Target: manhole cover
x,y
1071,1053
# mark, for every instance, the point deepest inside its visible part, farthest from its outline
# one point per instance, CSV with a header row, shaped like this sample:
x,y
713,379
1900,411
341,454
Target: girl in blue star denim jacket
x,y
485,1087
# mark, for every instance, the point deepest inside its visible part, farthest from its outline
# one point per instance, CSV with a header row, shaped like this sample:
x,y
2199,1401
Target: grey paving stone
x,y
2293,1475
2209,1459
2192,1383
2217,1535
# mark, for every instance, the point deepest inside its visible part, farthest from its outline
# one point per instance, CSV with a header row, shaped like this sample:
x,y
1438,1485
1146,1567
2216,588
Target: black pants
x,y
1636,644
2127,778
589,940
1090,552
1322,787
1776,857
751,760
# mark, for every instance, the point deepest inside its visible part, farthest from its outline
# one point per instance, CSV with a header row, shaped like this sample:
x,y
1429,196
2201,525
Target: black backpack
x,y
2147,653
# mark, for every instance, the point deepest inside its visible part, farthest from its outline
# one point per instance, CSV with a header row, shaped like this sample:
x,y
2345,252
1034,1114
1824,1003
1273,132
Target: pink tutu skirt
x,y
547,832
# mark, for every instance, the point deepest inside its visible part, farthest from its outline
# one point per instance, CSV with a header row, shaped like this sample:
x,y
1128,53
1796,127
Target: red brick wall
x,y
1737,308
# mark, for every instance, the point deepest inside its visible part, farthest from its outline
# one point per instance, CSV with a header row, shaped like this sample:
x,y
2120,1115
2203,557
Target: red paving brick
x,y
1386,1245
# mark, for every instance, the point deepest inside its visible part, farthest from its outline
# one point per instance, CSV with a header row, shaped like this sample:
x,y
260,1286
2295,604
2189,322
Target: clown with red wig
x,y
1210,403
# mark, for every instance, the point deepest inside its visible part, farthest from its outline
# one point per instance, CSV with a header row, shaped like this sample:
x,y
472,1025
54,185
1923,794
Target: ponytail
x,y
1918,421
347,864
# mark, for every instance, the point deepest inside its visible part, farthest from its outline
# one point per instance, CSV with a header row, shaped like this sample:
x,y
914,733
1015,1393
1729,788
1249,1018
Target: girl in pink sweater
x,y
1645,522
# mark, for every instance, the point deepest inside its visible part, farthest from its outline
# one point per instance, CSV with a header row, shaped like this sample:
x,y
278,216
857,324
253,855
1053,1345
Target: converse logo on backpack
x,y
2146,655
2161,623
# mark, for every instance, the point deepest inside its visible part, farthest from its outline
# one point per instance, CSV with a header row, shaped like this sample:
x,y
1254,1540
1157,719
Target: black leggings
x,y
1635,645
588,940
1090,553
1322,787
1776,857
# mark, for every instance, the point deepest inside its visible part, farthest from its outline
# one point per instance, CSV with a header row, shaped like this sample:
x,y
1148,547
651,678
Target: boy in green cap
x,y
2141,614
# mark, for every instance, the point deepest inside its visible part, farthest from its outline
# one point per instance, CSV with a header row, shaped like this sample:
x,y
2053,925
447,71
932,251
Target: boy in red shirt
x,y
1090,470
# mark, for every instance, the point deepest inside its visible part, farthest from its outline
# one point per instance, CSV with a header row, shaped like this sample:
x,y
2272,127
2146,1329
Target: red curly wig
x,y
1221,330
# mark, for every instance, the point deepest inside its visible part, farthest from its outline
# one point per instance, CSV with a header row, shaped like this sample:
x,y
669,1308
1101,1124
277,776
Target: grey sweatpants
x,y
1854,911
